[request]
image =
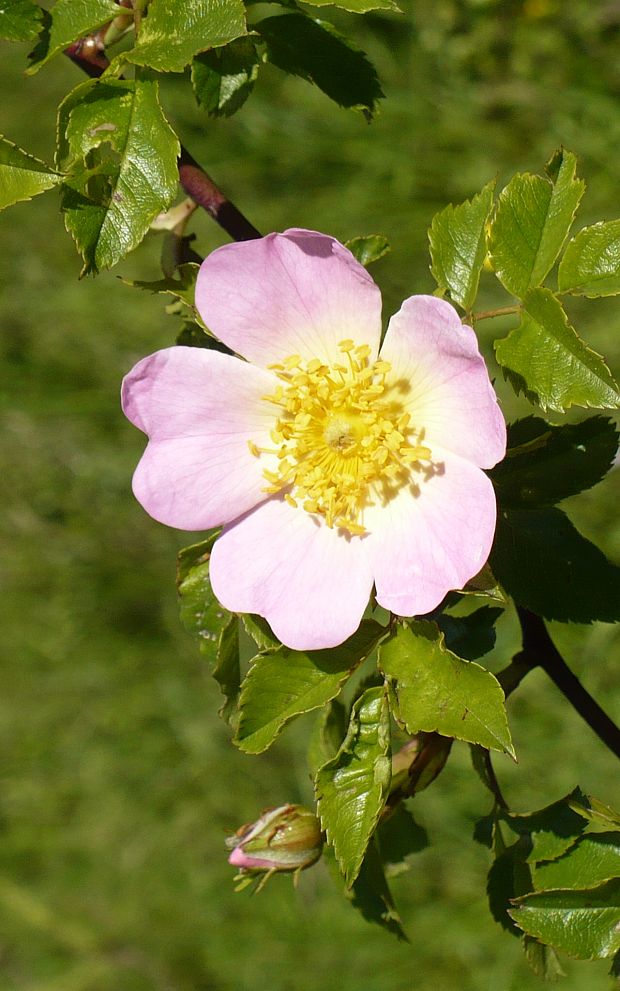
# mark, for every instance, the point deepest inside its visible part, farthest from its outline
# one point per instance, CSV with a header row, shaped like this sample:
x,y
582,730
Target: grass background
x,y
118,782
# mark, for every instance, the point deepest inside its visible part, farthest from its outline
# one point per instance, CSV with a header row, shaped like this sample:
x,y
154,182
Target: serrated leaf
x,y
224,78
22,176
283,683
531,223
352,788
545,464
509,876
470,636
109,218
484,583
436,691
67,21
260,631
20,20
458,243
550,831
193,335
546,565
357,6
183,287
398,839
584,923
368,248
547,360
173,33
593,859
315,51
590,265
216,629
327,735
371,895
600,816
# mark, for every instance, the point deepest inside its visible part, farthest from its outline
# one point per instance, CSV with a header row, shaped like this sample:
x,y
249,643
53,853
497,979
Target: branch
x,y
539,650
89,54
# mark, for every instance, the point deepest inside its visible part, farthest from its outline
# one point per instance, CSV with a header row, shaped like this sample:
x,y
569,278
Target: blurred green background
x,y
118,781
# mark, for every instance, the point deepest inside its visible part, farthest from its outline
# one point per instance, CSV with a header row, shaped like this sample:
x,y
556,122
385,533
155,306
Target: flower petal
x,y
449,394
200,408
426,542
310,582
294,293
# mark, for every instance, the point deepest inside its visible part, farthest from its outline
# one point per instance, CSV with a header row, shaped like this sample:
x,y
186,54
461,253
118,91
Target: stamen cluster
x,y
340,440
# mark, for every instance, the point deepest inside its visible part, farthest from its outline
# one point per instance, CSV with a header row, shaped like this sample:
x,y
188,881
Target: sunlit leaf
x,y
583,923
548,361
436,691
20,20
172,33
458,244
590,265
593,859
531,223
22,176
283,683
351,788
356,6
67,21
368,248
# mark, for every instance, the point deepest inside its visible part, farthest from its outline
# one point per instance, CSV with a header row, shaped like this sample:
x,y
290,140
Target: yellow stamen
x,y
343,441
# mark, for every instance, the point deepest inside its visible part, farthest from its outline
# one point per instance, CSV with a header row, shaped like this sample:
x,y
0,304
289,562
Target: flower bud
x,y
287,838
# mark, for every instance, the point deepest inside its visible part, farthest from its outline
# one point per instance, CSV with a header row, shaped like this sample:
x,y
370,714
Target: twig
x,y
540,651
89,54
501,312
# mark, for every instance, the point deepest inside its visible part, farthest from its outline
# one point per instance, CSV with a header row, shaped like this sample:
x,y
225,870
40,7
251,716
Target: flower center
x,y
341,441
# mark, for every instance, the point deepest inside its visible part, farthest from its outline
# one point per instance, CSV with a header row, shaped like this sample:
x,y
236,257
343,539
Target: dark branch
x,y
89,55
540,651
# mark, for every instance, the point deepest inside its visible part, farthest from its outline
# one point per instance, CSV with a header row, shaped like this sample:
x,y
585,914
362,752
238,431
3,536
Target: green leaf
x,y
327,735
593,859
546,565
224,78
315,51
368,248
260,631
531,223
399,838
67,21
545,464
600,816
109,209
22,176
436,691
172,33
371,895
585,924
470,636
193,335
357,6
542,959
591,263
509,876
283,683
351,788
183,287
551,831
216,629
20,20
458,243
548,361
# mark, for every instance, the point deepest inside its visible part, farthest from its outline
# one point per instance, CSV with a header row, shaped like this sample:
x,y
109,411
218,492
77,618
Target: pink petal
x,y
294,293
199,409
310,582
449,393
422,545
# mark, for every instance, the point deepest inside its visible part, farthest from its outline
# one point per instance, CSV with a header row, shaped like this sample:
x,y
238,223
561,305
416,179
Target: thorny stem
x,y
539,650
89,54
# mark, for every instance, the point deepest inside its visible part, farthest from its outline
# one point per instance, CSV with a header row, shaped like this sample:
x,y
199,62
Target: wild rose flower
x,y
331,466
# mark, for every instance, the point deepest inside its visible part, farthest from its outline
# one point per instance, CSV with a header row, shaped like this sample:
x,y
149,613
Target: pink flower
x,y
330,466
